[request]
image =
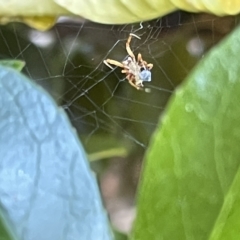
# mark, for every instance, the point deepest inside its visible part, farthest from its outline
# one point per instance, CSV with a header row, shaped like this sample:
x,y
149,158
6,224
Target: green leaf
x,y
103,146
5,231
121,11
135,11
219,8
47,190
16,64
191,183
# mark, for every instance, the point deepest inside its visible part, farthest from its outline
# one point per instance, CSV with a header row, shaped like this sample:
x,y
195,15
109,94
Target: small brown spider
x,y
136,72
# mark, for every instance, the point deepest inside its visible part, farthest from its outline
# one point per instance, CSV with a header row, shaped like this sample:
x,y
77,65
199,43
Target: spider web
x,y
103,107
68,61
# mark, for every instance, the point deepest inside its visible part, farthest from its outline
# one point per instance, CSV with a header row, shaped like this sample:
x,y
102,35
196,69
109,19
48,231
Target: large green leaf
x,y
47,190
5,231
134,11
122,11
191,180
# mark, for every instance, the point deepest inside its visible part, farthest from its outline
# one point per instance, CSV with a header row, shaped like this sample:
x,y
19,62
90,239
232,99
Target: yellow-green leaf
x,y
38,14
16,64
217,7
120,12
191,185
116,12
42,14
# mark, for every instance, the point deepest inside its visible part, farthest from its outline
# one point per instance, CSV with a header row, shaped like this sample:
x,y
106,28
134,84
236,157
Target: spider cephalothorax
x,y
137,71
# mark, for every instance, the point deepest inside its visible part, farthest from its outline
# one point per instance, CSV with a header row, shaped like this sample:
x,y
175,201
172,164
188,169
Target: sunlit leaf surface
x,y
217,7
191,185
47,190
135,11
121,11
41,14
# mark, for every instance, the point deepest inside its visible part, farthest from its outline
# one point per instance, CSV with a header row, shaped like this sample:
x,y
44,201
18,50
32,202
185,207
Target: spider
x,y
136,72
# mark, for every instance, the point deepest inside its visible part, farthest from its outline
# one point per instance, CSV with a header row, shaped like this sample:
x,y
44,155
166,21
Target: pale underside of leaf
x,y
47,189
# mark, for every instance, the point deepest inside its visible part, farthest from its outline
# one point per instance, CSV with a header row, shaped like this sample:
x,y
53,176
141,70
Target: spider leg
x,y
134,35
132,84
113,62
149,66
141,62
131,80
129,51
139,58
106,63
